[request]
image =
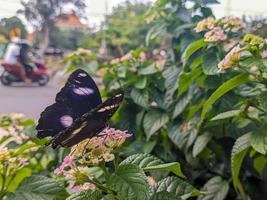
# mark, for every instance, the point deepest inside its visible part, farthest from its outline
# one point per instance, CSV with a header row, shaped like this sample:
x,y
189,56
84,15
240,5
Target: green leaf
x,y
176,186
165,196
151,69
153,121
19,177
215,189
210,63
141,82
129,182
239,151
223,89
182,137
86,195
259,140
121,72
227,114
186,79
151,163
262,101
259,164
181,105
192,48
27,122
38,188
171,76
173,167
140,97
200,143
24,148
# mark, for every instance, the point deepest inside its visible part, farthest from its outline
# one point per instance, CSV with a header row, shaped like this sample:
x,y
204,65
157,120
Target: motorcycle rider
x,y
12,54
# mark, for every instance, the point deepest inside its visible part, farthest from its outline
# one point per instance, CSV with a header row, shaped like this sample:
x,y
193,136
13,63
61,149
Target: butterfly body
x,y
78,113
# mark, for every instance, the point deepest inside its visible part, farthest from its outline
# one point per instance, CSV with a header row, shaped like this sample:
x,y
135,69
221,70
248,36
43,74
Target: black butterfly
x,y
78,113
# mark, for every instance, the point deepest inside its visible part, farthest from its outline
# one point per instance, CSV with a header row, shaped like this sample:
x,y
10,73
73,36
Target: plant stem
x,y
2,191
116,160
103,167
242,191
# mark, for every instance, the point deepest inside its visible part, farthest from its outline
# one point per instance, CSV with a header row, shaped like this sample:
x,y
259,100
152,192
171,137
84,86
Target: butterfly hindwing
x,y
90,124
54,119
79,95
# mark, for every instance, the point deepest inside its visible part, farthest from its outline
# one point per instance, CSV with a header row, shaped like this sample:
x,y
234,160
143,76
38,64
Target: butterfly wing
x,y
90,124
79,95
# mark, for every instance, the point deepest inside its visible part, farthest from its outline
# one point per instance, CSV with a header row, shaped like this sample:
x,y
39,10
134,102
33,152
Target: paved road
x,y
30,100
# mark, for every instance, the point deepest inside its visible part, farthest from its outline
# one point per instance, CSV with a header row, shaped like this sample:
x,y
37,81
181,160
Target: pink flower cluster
x,y
66,163
90,152
215,35
70,174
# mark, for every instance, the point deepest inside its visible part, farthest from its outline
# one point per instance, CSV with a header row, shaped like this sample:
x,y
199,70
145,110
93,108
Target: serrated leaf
x,y
176,186
210,63
151,163
153,121
227,114
239,151
262,101
258,140
164,196
171,75
139,97
181,105
129,182
192,48
200,143
38,188
182,137
215,189
86,195
223,89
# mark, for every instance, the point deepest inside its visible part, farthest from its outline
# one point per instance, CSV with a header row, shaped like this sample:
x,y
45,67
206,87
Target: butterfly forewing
x,y
90,124
79,95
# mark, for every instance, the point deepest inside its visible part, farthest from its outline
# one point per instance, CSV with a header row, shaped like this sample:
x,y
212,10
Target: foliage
x,y
89,171
65,39
197,107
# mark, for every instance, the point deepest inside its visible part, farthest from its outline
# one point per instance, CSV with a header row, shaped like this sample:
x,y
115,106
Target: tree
x,y
42,14
7,24
125,29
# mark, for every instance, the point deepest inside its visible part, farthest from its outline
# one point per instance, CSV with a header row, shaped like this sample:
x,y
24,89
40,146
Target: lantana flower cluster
x,y
14,163
10,127
128,57
89,153
217,29
249,45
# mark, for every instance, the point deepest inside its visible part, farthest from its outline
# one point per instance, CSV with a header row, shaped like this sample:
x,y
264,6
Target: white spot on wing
x,y
66,120
83,91
82,75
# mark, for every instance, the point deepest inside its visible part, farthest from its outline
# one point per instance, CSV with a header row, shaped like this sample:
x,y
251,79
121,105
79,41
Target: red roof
x,y
69,20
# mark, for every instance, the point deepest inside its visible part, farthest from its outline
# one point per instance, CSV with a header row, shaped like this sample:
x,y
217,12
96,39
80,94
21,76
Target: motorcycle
x,y
38,74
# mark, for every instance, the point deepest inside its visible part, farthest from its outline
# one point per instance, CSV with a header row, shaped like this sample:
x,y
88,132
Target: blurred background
x,y
105,28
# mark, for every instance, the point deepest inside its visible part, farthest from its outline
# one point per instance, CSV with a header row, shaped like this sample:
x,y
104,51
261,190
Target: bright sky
x,y
96,8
